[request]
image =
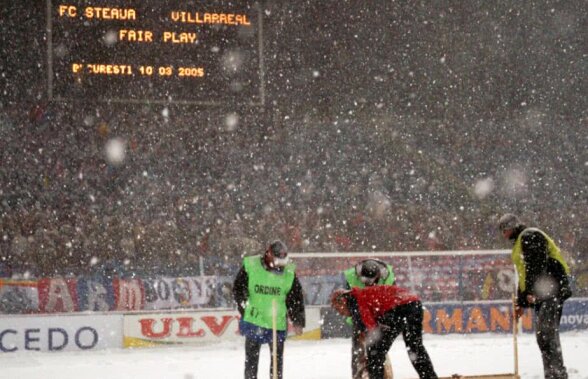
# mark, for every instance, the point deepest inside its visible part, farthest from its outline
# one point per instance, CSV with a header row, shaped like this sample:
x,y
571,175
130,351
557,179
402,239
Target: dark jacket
x,y
294,299
545,277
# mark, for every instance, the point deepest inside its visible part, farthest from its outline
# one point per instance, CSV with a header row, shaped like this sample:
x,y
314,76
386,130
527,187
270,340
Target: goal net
x,y
436,276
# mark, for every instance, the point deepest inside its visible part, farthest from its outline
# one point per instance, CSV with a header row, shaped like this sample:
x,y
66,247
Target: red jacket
x,y
372,302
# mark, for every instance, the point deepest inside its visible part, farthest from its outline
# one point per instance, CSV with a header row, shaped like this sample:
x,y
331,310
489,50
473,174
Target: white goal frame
x,y
438,276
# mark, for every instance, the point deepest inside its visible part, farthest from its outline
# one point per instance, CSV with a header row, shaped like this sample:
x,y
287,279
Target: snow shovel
x,y
274,340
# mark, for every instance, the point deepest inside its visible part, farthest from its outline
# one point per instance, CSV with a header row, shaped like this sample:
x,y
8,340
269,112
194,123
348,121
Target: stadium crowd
x,y
191,201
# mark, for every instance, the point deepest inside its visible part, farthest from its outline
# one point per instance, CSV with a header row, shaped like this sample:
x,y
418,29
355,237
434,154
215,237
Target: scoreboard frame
x,y
259,101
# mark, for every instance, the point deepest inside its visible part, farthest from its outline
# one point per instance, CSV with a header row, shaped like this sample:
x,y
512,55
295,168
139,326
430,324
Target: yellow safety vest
x,y
517,258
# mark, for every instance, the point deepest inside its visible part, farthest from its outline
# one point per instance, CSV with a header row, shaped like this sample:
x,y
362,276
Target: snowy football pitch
x,y
324,359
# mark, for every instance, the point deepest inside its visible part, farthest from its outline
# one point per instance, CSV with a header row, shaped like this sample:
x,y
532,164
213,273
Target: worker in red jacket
x,y
384,312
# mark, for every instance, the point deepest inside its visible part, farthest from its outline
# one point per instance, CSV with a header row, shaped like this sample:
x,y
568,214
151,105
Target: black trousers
x,y
408,320
252,349
547,319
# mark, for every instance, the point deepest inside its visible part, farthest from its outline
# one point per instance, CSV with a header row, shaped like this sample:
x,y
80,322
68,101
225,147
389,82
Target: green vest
x,y
354,281
517,258
263,287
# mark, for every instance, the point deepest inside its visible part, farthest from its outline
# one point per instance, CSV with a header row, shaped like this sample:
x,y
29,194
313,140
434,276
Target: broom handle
x,y
274,340
515,331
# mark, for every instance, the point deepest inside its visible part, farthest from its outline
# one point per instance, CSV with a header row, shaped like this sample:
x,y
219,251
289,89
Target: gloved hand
x,y
531,299
519,311
298,330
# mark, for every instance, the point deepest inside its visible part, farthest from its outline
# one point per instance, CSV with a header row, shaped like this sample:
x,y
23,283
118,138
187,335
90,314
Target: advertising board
x,y
196,327
60,333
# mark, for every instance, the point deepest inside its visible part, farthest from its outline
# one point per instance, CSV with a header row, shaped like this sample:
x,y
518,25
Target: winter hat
x,y
508,221
276,255
370,269
278,249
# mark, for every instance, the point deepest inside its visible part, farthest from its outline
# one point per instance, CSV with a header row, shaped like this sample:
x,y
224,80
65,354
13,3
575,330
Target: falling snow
x,y
335,126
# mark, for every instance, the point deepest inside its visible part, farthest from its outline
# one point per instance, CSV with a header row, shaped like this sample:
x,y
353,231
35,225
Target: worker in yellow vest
x,y
266,284
543,284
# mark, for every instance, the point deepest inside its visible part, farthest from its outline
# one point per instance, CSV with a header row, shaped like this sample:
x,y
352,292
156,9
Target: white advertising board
x,y
165,328
193,327
60,333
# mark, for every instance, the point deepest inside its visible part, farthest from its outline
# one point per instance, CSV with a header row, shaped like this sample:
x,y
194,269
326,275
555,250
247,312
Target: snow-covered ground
x,y
325,359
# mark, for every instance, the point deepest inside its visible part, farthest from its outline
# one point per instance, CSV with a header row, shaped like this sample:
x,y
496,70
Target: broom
x,y
274,341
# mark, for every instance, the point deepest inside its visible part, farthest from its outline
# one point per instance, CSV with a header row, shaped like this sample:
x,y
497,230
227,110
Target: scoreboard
x,y
155,51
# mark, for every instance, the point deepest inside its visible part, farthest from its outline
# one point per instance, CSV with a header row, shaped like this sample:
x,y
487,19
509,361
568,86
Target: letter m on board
x,y
129,295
